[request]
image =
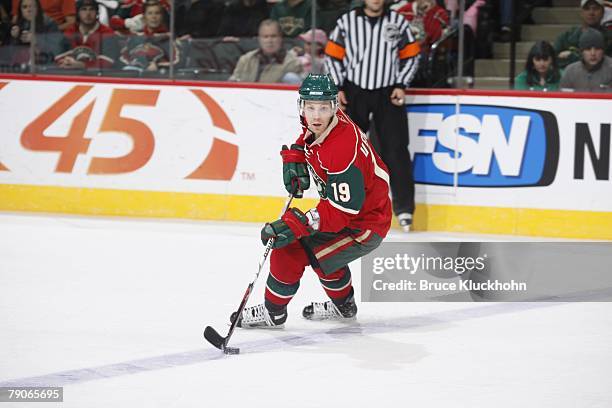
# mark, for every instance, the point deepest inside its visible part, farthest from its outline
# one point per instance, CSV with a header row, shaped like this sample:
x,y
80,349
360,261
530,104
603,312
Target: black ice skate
x,y
258,317
330,311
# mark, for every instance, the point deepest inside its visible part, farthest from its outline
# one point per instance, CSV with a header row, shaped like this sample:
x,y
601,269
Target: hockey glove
x,y
295,172
293,225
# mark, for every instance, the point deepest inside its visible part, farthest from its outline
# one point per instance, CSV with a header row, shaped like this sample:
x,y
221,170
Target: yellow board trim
x,y
149,204
428,217
514,221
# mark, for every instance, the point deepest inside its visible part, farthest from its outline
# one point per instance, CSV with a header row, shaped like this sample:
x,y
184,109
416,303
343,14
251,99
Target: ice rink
x,y
113,310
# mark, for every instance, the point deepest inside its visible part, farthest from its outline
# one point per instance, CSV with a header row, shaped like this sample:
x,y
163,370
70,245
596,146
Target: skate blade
x,y
334,319
278,327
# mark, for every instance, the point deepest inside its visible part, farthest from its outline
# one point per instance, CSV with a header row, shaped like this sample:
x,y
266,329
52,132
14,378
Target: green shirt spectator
x,y
541,70
530,82
566,45
294,16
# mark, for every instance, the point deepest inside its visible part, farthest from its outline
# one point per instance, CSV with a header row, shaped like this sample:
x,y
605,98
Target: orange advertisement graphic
x,y
75,143
69,146
221,162
142,137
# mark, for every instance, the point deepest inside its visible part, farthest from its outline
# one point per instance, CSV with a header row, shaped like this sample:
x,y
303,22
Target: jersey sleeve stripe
x,y
329,249
381,173
343,209
364,236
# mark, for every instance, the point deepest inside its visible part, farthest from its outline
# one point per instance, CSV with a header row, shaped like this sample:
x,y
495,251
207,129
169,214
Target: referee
x,y
372,57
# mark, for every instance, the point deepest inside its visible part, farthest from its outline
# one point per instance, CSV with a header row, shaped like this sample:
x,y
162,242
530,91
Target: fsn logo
x,y
487,146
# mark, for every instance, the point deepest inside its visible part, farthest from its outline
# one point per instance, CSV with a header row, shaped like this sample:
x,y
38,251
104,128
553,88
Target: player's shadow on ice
x,y
356,341
371,352
363,342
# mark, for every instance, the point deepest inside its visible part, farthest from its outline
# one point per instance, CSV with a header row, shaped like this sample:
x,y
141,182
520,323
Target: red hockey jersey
x,y
352,180
97,49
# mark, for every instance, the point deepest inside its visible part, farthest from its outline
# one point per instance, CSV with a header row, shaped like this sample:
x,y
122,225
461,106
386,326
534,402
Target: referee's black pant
x,y
391,126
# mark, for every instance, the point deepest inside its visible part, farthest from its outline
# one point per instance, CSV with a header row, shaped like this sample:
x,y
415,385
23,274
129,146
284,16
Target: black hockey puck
x,y
231,350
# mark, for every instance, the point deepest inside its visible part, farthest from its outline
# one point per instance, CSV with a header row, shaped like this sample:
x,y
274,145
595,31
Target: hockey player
x,y
351,219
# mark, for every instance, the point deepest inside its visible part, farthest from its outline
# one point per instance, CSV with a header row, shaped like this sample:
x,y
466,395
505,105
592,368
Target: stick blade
x,y
231,350
214,338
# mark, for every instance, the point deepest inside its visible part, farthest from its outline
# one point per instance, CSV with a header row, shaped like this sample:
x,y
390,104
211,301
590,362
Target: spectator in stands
x,y
470,16
150,50
29,14
241,18
4,20
270,62
129,17
470,25
293,16
541,72
427,21
328,11
106,8
594,72
606,21
305,54
204,18
88,43
61,11
522,11
566,44
182,10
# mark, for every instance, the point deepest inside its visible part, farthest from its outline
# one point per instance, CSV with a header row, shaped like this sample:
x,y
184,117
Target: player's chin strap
x,y
312,136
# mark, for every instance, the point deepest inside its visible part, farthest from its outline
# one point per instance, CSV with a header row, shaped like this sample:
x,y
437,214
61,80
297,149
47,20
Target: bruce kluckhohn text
x,y
412,265
454,286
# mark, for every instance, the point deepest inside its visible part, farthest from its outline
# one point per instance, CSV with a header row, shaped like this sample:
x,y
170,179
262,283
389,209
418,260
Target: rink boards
x,y
520,163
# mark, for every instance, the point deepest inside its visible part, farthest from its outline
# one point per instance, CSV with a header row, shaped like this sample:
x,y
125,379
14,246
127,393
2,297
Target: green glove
x,y
293,225
295,171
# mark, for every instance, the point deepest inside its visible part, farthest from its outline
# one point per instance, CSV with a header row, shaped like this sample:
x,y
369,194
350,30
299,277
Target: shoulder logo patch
x,y
391,33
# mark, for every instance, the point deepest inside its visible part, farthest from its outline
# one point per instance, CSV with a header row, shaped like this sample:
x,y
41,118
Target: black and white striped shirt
x,y
371,52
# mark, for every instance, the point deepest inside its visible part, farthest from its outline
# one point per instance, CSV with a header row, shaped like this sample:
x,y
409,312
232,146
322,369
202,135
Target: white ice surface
x,y
113,310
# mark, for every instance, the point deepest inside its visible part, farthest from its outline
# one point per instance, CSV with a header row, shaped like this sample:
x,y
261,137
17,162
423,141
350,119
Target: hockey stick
x,y
211,334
